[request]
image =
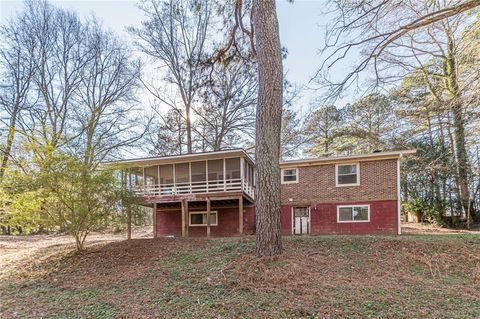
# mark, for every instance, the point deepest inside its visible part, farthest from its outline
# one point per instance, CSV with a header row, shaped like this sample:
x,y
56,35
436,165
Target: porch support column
x,y
144,184
242,174
183,217
208,217
224,176
129,224
187,217
240,215
155,220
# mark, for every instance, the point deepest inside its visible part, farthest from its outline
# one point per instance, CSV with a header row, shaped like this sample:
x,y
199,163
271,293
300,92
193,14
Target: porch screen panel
x,y
129,178
151,180
151,175
199,177
245,170
166,179
251,173
137,176
166,174
182,173
232,168
215,175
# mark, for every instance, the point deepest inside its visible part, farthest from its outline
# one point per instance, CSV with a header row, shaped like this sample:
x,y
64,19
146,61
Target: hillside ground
x,y
422,274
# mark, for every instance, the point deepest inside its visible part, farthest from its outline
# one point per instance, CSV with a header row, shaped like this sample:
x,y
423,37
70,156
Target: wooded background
x,y
74,95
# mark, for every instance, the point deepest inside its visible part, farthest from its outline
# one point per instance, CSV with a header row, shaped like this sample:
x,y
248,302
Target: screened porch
x,y
235,174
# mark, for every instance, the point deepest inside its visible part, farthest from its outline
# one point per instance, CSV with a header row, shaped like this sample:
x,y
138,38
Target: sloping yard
x,y
413,276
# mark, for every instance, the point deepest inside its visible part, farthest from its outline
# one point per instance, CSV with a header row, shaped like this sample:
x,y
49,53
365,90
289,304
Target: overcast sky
x,y
301,31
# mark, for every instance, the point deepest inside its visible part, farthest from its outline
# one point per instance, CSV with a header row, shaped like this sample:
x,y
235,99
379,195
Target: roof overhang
x,y
184,158
345,159
162,160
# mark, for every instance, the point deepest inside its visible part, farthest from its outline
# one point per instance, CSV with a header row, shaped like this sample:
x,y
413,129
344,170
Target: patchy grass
x,y
317,277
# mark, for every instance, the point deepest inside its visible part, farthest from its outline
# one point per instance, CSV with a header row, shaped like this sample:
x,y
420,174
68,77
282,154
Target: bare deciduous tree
x,y
106,97
373,26
227,116
165,135
84,84
16,65
175,35
60,61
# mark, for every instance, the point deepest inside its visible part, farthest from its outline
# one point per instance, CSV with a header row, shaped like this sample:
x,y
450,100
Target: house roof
x,y
147,161
160,160
346,158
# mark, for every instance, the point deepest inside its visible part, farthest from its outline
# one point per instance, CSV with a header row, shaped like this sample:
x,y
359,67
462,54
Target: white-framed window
x,y
353,213
347,174
200,218
289,175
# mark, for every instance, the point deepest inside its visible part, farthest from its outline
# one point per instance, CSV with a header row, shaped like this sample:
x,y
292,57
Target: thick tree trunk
x,y
268,124
9,142
450,68
462,161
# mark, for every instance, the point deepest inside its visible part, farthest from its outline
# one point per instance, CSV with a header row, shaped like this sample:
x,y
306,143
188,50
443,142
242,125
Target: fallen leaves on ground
x,y
316,277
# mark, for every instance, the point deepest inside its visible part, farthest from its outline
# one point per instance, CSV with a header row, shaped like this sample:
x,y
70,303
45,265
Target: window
x,y
290,175
352,214
200,218
347,174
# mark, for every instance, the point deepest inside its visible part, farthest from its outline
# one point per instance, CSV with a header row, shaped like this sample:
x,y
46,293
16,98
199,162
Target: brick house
x,y
212,194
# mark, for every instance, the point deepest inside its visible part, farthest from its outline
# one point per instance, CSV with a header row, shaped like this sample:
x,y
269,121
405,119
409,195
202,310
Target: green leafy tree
x,y
370,123
78,199
323,129
21,210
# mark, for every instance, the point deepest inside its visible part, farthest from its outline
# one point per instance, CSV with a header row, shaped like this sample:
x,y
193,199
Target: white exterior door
x,y
301,220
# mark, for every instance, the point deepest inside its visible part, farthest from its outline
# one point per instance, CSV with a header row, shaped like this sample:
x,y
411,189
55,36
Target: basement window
x,y
347,174
200,218
353,214
289,175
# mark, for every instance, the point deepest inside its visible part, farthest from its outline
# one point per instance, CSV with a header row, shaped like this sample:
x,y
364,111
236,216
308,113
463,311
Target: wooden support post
x,y
240,215
208,217
129,211
183,218
187,218
224,176
144,183
129,224
174,180
155,220
242,174
130,178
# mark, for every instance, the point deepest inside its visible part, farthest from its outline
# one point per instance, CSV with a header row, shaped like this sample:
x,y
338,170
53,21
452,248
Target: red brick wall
x,y
323,219
170,223
286,220
316,184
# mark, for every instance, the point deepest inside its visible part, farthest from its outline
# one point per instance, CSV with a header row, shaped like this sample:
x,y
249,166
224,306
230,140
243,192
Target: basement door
x,y
301,220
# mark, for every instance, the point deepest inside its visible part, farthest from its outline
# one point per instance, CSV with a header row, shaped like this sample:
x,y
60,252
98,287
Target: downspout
x,y
399,202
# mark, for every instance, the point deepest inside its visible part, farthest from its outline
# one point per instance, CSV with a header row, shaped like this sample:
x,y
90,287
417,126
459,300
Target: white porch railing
x,y
229,185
